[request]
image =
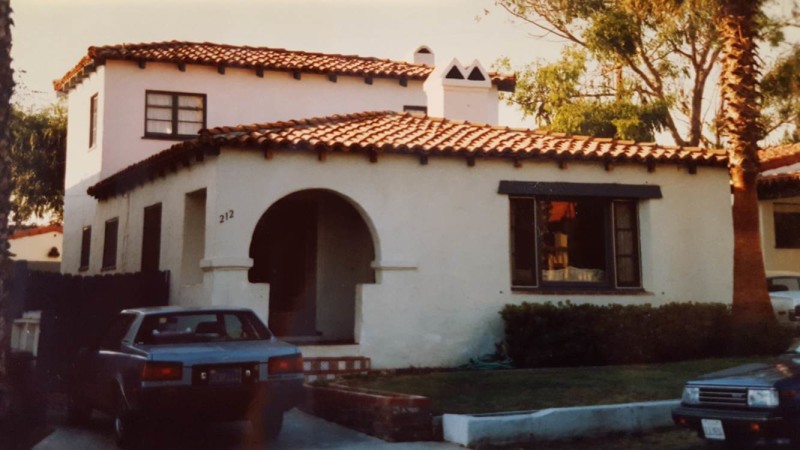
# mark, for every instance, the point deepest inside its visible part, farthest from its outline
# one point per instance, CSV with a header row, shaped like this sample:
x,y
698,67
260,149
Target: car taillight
x,y
157,371
285,364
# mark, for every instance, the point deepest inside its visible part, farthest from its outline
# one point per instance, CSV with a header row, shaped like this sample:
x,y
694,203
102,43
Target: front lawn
x,y
470,392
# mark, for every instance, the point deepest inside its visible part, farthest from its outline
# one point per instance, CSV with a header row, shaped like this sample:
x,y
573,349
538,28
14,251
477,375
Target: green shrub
x,y
566,334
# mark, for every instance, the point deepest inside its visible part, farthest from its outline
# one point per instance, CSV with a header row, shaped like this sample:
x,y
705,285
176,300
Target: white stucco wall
x,y
776,258
441,240
82,170
237,97
37,247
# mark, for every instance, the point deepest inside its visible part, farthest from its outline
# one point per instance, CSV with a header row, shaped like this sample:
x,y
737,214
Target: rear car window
x,y
205,326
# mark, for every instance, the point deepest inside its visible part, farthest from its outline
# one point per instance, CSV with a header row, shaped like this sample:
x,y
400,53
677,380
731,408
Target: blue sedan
x,y
193,364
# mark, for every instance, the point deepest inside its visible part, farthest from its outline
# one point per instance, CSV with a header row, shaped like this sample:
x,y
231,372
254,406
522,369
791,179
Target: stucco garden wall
x,y
441,236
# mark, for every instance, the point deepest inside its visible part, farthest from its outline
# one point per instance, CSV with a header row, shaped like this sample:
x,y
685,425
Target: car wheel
x,y
78,410
126,427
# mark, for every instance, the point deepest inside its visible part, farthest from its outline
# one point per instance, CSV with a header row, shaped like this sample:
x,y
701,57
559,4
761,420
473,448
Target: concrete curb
x,y
556,423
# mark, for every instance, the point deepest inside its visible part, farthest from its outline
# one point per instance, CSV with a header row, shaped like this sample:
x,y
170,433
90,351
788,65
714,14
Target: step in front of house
x,y
330,368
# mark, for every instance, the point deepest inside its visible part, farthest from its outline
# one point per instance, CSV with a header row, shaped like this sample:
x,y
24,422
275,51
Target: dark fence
x,y
77,309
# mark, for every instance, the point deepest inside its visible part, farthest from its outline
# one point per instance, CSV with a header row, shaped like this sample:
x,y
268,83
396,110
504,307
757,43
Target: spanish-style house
x,y
40,246
371,208
779,207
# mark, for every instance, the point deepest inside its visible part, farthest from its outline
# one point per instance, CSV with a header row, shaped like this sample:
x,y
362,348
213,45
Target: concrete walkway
x,y
300,432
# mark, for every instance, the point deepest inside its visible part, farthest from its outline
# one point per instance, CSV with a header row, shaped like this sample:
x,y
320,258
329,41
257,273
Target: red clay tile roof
x,y
36,231
375,133
261,58
779,156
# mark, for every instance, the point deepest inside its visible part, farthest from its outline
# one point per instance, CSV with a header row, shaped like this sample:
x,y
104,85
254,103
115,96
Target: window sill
x,y
596,292
169,137
83,269
108,269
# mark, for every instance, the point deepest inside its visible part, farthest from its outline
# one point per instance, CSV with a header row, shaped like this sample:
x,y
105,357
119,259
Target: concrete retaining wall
x,y
556,423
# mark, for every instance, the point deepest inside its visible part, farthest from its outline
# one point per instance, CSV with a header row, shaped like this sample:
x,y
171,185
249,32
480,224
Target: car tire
x,y
78,410
127,430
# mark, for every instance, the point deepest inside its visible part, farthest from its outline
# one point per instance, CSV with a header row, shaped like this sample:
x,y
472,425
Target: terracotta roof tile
x,y
779,156
397,133
262,58
36,231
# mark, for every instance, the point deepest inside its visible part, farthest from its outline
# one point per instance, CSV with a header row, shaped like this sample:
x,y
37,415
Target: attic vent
x,y
476,75
424,50
53,253
454,74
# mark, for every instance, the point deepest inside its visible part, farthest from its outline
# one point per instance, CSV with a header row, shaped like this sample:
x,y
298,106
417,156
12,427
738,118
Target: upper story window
x,y
174,115
787,222
93,121
574,237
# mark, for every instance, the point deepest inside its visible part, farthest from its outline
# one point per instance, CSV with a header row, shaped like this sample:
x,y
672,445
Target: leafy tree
x,y
38,152
638,62
6,89
781,89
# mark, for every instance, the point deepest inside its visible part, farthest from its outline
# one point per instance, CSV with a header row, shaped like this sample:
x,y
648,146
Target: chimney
x,y
424,55
462,93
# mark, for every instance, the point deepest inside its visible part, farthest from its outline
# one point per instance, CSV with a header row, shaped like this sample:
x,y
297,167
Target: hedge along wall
x,y
565,334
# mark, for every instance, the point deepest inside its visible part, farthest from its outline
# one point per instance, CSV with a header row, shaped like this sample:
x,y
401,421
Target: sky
x,y
50,36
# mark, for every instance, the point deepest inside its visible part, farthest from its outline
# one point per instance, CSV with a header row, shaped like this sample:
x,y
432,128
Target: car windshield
x,y
783,283
204,326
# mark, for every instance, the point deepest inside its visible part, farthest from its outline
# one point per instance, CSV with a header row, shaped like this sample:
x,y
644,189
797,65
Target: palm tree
x,y
739,80
6,89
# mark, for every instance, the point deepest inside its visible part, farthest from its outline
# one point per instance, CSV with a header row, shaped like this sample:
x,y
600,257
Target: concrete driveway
x,y
300,431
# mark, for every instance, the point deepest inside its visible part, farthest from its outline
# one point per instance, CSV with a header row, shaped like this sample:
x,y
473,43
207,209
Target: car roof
x,y
184,309
782,273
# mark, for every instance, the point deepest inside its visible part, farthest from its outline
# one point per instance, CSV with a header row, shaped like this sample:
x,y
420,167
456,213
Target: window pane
x,y
158,99
523,242
159,126
189,127
626,244
159,113
189,115
190,101
627,272
787,224
573,240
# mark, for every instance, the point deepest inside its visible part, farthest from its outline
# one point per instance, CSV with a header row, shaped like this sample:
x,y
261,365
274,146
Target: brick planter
x,y
386,415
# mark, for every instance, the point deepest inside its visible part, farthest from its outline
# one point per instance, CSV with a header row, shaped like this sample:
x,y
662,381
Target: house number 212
x,y
226,217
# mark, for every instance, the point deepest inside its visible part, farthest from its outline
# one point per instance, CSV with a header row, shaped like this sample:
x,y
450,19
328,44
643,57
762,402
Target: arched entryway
x,y
312,247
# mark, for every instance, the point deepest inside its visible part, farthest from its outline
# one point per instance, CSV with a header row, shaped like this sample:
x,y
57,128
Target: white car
x,y
784,293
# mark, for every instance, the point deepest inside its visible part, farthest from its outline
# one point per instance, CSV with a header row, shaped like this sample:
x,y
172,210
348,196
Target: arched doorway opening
x,y
313,247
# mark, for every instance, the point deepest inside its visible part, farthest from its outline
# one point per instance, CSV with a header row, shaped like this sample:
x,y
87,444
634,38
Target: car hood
x,y
766,374
219,352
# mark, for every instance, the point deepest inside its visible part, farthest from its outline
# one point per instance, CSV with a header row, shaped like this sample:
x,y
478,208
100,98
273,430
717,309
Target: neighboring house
x,y
40,246
356,224
779,207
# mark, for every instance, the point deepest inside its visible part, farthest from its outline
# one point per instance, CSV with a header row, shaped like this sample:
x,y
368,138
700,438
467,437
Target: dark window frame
x,y
93,108
86,248
151,238
786,225
110,241
611,231
174,108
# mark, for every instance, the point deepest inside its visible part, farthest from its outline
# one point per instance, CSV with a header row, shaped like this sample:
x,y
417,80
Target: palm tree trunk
x,y
740,92
6,89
